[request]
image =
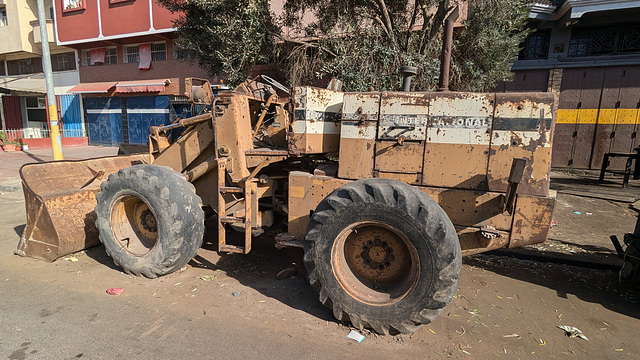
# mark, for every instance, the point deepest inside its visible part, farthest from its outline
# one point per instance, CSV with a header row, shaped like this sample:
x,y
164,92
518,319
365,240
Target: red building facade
x,y
131,66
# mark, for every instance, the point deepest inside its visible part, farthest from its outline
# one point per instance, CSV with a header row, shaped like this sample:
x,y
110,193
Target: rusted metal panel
x,y
608,115
587,117
465,208
191,146
567,117
403,115
471,208
528,81
532,219
472,240
458,138
410,178
316,121
356,155
522,128
358,134
60,198
580,95
624,132
391,156
473,212
305,193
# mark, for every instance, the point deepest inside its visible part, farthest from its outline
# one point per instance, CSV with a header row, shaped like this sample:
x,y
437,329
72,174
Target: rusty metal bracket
x,y
284,240
264,113
515,177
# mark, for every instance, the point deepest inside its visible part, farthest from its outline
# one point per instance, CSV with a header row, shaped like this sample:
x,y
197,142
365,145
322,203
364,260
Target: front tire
x,y
150,219
383,255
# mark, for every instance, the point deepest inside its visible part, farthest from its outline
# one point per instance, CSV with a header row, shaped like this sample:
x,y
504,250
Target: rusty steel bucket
x,y
60,198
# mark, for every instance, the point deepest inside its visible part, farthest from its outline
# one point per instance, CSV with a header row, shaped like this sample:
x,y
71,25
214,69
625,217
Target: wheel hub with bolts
x,y
377,254
375,262
148,221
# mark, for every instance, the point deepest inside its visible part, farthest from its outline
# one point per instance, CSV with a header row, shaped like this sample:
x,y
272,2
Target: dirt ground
x,y
232,306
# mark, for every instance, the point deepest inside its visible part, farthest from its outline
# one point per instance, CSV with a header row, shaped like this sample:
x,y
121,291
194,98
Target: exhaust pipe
x,y
445,63
408,72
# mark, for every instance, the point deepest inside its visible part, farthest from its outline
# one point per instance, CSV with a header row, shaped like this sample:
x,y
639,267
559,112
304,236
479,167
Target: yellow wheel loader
x,y
384,191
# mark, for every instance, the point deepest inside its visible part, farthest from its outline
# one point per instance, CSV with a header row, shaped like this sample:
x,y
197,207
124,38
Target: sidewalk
x,y
10,162
585,215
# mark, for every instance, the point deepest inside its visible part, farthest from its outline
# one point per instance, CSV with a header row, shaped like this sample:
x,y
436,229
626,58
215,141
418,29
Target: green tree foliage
x,y
229,36
361,42
364,42
488,44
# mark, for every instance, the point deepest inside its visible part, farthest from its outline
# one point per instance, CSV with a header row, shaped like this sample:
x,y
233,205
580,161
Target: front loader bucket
x,y
60,198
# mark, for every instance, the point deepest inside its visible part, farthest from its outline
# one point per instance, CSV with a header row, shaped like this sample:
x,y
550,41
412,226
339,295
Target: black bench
x,y
631,156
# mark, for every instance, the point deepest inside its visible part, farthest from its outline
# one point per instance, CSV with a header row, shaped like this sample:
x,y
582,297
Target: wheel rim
x,y
134,225
375,262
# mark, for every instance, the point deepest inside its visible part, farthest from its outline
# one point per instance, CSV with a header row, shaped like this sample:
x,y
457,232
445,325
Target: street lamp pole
x,y
56,141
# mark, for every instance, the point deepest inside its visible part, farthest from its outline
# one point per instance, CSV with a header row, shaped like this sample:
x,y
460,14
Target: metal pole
x,y
56,141
4,123
445,64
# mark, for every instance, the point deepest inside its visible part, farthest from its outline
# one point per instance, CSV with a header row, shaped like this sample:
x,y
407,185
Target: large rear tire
x,y
383,255
150,219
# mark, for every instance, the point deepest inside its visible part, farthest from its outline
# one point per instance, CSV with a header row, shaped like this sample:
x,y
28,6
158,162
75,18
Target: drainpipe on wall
x,y
56,141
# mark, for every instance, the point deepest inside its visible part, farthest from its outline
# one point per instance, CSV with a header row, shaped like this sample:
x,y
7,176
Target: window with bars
x,y
111,55
63,62
610,40
183,52
159,51
130,54
535,46
24,66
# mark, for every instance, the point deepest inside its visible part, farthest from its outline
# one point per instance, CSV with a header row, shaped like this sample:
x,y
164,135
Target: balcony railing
x,y
36,31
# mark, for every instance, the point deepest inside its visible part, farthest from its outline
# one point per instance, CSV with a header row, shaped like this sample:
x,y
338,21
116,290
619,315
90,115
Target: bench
x,y
631,156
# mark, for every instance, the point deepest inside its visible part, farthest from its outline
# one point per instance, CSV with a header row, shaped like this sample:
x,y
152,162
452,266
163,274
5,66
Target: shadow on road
x,y
37,159
19,229
258,269
591,285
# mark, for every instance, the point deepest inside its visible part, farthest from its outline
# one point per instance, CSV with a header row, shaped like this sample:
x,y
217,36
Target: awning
x,y
93,88
141,86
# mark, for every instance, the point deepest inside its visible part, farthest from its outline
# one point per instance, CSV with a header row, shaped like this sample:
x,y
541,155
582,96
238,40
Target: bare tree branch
x,y
387,22
411,23
443,9
426,20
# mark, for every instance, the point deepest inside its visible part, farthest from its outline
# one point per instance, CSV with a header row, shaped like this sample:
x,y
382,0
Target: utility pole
x,y
56,141
4,124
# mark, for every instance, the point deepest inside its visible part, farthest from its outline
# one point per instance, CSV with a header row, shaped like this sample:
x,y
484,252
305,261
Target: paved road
x,y
504,308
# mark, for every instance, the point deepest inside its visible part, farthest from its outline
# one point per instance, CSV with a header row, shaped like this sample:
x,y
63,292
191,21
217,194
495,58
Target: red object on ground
x,y
115,291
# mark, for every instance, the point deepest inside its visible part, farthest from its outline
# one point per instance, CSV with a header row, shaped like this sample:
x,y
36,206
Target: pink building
x,y
131,66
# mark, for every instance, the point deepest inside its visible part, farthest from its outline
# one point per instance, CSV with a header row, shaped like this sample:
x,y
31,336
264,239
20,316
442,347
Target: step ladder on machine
x,y
249,191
